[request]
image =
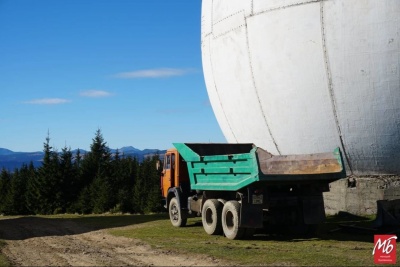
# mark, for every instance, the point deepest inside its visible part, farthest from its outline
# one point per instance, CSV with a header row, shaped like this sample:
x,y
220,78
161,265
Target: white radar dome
x,y
299,77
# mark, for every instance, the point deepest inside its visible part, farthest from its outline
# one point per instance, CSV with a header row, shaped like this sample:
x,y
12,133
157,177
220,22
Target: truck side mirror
x,y
158,164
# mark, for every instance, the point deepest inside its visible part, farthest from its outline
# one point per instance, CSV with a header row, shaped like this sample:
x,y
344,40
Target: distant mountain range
x,y
11,160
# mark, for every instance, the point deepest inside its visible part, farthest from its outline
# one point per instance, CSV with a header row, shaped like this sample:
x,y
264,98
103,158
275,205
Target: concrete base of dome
x,y
359,195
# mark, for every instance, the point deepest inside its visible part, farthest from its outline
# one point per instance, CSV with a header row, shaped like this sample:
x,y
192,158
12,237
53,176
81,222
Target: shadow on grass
x,y
341,227
194,224
38,226
343,216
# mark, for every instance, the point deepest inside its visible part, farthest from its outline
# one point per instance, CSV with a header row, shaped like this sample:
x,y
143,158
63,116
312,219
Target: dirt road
x,y
33,241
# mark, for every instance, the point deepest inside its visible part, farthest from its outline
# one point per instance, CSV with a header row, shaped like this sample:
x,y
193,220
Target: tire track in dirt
x,y
33,241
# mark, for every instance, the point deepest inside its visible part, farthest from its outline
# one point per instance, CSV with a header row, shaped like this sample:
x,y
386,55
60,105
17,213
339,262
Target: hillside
x,y
11,160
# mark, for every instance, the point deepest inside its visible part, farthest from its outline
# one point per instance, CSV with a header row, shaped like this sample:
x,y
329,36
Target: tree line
x,y
95,182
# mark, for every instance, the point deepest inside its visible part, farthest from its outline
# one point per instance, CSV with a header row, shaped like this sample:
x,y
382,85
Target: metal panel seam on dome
x,y
330,87
256,91
287,6
217,32
212,71
217,93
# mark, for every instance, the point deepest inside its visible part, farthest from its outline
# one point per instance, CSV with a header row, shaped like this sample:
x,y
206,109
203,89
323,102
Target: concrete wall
x,y
358,195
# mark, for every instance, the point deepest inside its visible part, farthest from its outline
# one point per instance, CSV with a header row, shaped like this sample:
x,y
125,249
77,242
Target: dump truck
x,y
239,188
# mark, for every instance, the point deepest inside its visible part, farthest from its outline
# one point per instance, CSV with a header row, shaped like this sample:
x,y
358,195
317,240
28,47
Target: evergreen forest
x,y
95,182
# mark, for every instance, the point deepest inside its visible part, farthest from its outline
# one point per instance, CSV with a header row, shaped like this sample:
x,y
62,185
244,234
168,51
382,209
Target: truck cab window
x,y
173,161
167,162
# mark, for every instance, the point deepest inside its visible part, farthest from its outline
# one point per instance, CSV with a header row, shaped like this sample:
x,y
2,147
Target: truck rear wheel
x,y
230,220
211,217
175,213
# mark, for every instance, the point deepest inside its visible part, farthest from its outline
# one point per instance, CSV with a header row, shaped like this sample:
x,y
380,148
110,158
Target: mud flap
x,y
251,216
313,209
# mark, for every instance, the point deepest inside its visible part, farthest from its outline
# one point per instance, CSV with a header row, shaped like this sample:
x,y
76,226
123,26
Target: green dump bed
x,y
233,166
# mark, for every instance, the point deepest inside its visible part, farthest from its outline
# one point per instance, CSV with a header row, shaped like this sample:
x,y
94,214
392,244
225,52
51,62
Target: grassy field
x,y
326,249
329,247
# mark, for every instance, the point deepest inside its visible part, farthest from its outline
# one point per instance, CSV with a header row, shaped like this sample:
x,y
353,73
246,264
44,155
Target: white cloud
x,y
95,93
153,73
47,101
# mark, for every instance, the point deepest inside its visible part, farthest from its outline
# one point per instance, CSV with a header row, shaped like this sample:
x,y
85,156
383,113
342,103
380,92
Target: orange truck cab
x,y
174,174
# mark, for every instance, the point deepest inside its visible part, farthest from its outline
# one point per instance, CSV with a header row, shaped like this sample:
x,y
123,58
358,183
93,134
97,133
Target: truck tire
x,y
230,220
175,213
211,217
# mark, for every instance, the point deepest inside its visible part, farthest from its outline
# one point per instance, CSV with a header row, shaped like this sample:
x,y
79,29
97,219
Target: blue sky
x,y
131,68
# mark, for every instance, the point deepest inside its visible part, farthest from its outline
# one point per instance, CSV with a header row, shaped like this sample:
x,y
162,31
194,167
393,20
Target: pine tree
x,y
76,184
68,180
15,201
5,178
139,191
101,194
78,159
124,173
49,191
138,195
96,173
153,203
84,203
32,194
97,160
